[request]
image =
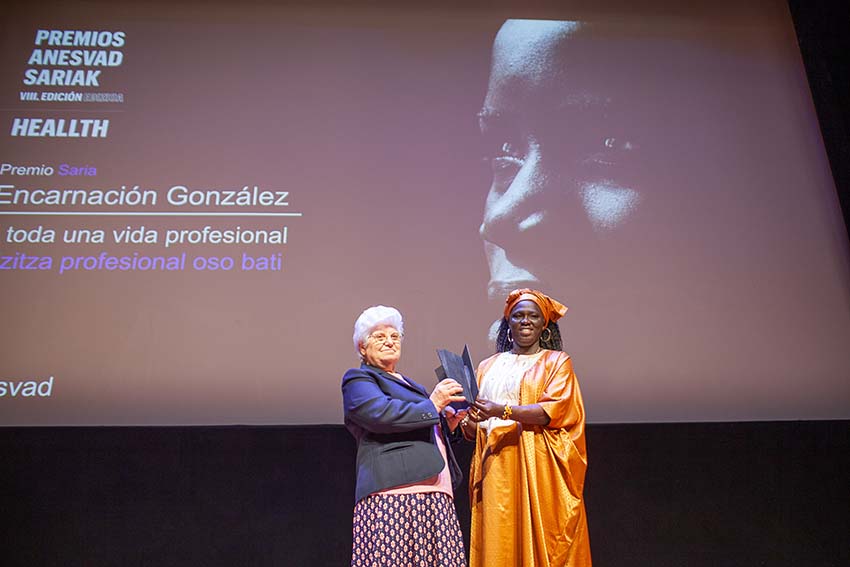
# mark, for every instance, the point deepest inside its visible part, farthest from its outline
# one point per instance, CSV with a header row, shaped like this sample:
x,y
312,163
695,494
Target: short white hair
x,y
373,317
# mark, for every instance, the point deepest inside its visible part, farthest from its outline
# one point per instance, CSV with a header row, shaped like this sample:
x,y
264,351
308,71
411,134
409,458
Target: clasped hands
x,y
448,391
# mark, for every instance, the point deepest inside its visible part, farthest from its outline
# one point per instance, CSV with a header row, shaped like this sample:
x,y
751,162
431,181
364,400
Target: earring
x,y
510,338
547,339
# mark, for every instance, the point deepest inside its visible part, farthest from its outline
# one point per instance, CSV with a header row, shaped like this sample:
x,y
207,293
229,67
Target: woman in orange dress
x,y
527,473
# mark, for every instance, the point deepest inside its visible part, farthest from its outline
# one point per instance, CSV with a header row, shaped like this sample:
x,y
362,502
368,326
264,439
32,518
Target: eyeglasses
x,y
383,337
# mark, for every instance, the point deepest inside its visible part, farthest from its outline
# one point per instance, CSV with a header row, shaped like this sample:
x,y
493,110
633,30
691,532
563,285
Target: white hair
x,y
371,318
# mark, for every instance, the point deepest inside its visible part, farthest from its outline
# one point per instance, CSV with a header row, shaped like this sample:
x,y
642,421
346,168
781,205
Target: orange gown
x,y
526,482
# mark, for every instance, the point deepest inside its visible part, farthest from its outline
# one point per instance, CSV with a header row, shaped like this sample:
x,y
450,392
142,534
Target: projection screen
x,y
198,199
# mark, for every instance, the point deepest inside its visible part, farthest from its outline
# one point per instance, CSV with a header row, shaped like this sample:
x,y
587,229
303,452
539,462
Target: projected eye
x,y
612,151
505,164
503,148
508,156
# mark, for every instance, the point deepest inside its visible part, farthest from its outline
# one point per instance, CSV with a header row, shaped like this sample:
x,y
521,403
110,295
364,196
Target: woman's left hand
x,y
483,409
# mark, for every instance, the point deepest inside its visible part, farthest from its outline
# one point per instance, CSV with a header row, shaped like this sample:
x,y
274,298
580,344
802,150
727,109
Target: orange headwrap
x,y
551,309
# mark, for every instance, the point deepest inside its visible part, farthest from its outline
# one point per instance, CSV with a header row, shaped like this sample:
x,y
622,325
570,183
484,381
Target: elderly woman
x,y
527,473
404,512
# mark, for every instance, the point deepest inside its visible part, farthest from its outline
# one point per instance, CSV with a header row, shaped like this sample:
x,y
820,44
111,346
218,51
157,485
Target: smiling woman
x,y
527,474
382,348
406,471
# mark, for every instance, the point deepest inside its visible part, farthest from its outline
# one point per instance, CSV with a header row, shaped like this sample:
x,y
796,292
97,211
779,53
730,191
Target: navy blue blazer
x,y
393,424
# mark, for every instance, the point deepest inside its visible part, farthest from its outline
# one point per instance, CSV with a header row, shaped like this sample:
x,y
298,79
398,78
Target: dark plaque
x,y
459,368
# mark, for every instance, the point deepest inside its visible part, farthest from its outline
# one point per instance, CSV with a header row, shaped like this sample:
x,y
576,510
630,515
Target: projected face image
x,y
564,158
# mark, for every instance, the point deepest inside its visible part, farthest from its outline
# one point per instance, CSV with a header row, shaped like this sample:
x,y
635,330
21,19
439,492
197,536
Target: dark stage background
x,y
730,494
751,493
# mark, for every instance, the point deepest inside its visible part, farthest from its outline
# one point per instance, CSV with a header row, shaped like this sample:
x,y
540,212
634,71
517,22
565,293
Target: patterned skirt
x,y
416,530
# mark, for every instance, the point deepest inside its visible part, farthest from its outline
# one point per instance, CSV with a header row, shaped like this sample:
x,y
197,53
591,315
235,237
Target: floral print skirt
x,y
416,530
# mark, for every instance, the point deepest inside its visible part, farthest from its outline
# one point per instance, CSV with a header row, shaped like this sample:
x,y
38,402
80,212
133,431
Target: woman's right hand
x,y
446,392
